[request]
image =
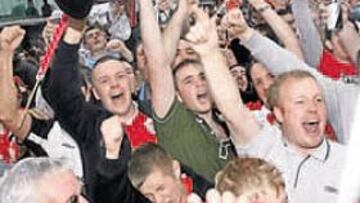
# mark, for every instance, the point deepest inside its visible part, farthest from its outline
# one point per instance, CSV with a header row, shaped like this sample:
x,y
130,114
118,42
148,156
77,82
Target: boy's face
x,y
160,187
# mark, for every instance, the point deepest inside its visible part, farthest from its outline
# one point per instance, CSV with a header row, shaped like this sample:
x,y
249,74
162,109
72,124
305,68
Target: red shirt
x,y
141,131
333,68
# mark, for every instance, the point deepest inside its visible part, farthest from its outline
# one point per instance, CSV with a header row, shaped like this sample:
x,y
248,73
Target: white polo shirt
x,y
313,178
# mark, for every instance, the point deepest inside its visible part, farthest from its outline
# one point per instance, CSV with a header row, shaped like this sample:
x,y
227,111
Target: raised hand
x,y
48,31
112,133
11,38
203,35
234,22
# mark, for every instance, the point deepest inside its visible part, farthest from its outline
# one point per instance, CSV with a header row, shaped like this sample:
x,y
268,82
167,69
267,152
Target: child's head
x,y
253,180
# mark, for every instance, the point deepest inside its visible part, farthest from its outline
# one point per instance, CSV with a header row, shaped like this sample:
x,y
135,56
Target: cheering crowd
x,y
177,101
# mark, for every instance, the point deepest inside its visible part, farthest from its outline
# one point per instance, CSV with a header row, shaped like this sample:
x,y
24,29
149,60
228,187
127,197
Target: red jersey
x,y
141,131
333,68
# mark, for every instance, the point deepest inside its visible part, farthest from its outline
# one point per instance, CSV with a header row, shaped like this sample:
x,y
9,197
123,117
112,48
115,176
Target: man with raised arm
x,y
89,123
311,164
340,97
182,104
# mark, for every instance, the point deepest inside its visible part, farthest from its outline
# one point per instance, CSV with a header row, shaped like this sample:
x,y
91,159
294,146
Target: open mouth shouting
x,y
202,97
312,127
116,97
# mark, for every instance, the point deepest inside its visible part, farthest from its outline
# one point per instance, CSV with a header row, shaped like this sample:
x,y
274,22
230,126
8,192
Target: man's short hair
x,y
19,185
107,58
274,91
184,63
144,160
249,175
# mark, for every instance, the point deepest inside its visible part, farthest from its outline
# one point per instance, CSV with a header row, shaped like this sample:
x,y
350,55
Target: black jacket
x,y
82,121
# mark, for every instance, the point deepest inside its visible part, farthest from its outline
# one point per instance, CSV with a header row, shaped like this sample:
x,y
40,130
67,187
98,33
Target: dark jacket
x,y
82,121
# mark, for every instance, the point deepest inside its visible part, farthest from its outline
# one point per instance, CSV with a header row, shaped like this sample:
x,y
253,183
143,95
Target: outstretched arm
x,y
279,60
173,30
281,28
10,114
160,75
62,86
226,95
309,36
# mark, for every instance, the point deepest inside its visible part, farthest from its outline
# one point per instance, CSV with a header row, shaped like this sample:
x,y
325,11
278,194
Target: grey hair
x,y
20,182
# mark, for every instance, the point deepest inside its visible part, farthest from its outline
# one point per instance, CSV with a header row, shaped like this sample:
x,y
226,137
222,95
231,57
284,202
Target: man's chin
x,y
203,111
315,141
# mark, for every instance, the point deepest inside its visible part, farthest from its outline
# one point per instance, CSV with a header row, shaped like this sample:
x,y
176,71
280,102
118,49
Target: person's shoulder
x,y
337,153
337,146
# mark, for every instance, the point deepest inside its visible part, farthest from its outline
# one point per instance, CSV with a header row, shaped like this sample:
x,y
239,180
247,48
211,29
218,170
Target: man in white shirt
x,y
311,164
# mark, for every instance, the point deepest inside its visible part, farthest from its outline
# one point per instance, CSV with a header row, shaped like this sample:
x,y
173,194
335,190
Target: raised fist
x,y
112,133
203,35
234,23
11,38
48,31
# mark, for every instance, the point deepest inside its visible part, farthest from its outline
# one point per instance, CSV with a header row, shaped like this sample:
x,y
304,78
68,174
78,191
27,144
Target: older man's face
x,y
61,187
302,113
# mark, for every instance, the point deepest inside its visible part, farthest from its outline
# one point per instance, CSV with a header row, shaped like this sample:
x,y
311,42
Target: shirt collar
x,y
320,153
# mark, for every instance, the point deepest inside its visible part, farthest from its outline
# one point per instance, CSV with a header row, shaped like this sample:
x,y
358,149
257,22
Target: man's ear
x,y
278,113
176,169
179,97
96,95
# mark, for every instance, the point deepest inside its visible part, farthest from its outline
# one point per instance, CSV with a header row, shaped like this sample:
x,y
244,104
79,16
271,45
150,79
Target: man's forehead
x,y
300,86
190,70
155,177
111,66
93,30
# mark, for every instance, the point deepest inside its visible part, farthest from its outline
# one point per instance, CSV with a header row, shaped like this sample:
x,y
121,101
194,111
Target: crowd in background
x,y
180,101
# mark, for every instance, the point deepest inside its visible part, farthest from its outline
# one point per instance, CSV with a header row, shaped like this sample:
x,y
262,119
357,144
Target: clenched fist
x,y
11,38
234,22
112,133
203,35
